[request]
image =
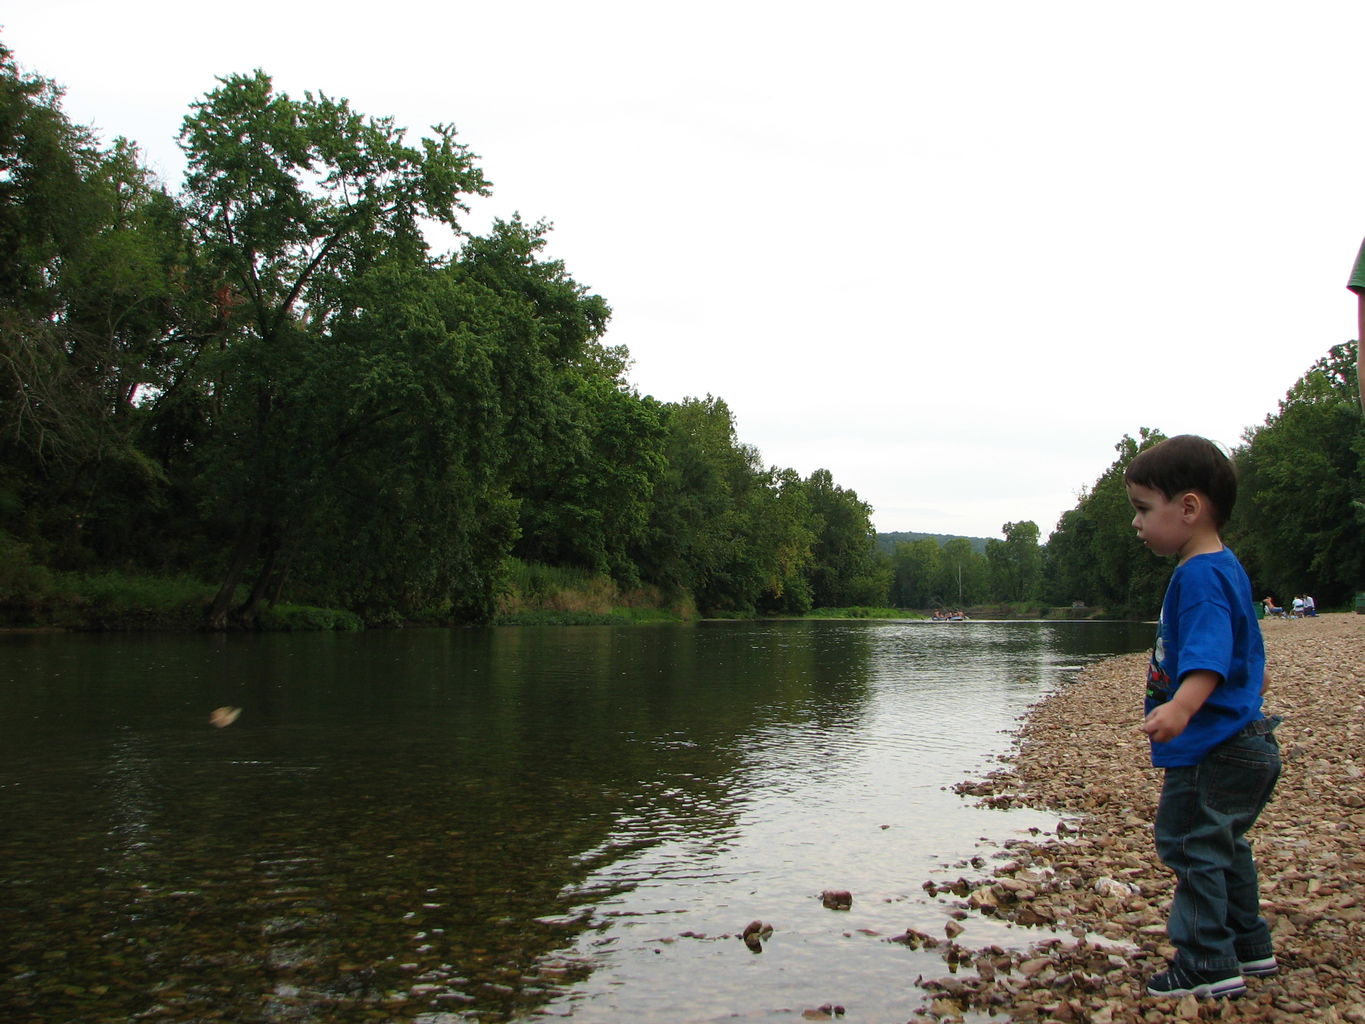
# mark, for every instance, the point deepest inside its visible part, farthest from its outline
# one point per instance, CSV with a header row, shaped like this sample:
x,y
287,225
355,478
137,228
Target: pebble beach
x,y
1094,891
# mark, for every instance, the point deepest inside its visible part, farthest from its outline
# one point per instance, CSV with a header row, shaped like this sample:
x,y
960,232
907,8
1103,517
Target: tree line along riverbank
x,y
267,377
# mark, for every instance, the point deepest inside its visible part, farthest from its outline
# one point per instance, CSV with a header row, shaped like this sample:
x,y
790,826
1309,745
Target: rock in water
x,y
837,899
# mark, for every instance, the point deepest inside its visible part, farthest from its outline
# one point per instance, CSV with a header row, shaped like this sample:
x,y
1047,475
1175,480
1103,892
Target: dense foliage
x,y
270,384
1302,524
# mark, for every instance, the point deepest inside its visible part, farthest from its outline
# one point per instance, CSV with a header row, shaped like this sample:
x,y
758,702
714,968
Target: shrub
x,y
861,612
118,601
28,592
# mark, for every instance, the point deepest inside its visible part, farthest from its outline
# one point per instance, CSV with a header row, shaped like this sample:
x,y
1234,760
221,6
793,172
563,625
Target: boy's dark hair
x,y
1183,463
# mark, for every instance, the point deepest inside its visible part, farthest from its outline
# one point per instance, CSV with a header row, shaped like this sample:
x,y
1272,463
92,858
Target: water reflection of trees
x,y
408,821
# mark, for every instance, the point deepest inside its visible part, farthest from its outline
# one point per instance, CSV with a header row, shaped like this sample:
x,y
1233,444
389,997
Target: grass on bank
x,y
552,595
862,612
122,602
31,595
34,596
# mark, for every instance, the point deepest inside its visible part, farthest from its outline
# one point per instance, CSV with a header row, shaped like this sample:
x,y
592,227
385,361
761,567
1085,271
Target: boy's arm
x,y
1167,721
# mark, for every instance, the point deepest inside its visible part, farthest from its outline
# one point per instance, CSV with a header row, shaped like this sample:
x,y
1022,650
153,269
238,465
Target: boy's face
x,y
1162,523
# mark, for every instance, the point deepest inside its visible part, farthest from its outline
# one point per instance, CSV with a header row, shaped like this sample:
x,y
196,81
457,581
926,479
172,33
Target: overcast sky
x,y
951,252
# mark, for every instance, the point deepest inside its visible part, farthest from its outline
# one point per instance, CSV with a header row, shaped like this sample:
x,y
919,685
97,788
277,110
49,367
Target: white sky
x,y
950,251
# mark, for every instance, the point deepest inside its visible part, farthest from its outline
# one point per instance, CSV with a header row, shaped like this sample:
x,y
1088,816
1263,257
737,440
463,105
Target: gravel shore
x,y
1098,883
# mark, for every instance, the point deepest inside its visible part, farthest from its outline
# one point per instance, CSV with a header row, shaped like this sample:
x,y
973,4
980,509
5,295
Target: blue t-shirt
x,y
1207,622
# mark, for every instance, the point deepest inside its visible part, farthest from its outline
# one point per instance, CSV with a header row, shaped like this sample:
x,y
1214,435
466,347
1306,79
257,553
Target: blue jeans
x,y
1201,825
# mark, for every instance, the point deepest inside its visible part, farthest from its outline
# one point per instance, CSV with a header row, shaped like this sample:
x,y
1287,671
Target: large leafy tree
x,y
405,429
404,508
293,202
1301,520
271,379
843,568
1068,569
91,306
783,541
916,568
736,535
586,501
49,203
963,575
585,449
1016,562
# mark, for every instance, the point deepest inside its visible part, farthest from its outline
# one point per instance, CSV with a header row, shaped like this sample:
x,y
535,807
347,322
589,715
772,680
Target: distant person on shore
x,y
1203,716
1271,608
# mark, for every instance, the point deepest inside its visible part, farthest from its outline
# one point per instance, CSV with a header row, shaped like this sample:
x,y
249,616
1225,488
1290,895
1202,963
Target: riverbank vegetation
x,y
265,401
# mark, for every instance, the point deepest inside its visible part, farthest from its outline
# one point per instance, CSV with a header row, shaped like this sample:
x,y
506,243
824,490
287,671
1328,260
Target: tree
x,y
48,204
1302,481
292,202
586,502
587,448
963,577
405,429
90,263
1068,568
271,381
389,435
784,538
1016,563
916,569
699,522
843,570
737,535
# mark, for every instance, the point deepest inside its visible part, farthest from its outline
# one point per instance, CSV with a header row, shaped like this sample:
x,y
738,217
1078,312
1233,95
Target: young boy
x,y
1203,715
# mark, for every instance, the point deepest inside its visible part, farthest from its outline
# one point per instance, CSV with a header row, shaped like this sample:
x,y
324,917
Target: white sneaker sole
x,y
1226,988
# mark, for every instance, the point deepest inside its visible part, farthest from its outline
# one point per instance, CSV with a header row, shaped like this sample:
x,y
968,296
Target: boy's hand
x,y
1166,722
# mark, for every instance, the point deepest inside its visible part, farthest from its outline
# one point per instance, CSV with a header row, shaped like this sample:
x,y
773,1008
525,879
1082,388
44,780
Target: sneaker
x,y
1183,981
1262,968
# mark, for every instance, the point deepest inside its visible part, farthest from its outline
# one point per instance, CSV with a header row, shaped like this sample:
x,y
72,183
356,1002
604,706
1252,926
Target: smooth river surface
x,y
502,824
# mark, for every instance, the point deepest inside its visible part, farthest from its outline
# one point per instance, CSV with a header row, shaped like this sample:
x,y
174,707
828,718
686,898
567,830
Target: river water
x,y
502,824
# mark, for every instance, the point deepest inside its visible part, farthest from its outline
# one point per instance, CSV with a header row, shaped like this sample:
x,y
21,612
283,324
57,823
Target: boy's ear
x,y
1191,504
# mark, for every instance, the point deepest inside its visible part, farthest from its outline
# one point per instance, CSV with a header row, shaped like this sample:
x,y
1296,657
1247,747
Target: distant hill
x,y
887,541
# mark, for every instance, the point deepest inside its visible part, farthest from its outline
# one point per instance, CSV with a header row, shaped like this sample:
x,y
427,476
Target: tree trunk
x,y
276,585
244,549
252,608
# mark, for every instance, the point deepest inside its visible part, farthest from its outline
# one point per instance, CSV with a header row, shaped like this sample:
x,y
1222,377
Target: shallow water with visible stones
x,y
496,824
